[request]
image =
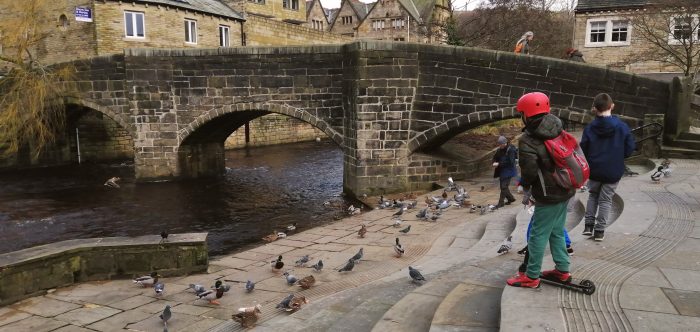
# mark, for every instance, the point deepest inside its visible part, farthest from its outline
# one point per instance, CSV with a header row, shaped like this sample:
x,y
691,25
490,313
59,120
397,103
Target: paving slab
x,y
88,314
119,321
686,302
514,320
72,328
132,302
470,305
654,321
44,306
682,279
231,262
178,322
33,324
645,298
649,276
9,315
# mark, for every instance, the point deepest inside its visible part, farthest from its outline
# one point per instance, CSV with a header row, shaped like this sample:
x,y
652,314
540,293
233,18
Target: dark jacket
x,y
534,157
606,142
505,158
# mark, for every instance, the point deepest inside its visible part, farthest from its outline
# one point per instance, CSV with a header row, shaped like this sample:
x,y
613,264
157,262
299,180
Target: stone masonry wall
x,y
317,14
262,31
338,27
385,11
101,139
164,27
274,129
269,8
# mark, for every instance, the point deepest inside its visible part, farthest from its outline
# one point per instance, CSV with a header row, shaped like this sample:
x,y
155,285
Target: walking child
x,y
504,163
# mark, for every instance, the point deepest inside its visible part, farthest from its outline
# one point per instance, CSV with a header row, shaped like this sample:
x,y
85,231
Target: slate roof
x,y
213,7
596,5
361,8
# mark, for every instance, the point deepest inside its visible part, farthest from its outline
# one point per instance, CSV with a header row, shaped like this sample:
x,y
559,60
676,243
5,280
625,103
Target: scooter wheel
x,y
588,287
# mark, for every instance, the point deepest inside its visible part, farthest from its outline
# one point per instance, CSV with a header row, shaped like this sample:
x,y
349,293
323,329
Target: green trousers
x,y
547,226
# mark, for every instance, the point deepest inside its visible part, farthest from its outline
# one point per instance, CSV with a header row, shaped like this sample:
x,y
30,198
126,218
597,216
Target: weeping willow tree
x,y
32,108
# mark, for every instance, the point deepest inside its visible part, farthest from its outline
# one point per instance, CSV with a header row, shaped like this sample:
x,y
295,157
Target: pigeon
x,y
358,255
212,295
415,274
435,216
306,282
292,227
148,280
285,303
461,191
291,279
249,286
397,223
362,231
398,213
348,267
318,266
247,316
163,236
159,287
406,230
218,284
482,209
422,214
197,288
398,248
506,246
629,172
165,316
444,204
411,205
302,261
112,182
277,264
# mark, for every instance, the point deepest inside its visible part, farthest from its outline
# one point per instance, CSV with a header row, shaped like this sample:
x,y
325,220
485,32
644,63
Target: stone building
x,y
349,17
290,11
316,17
604,33
406,20
76,29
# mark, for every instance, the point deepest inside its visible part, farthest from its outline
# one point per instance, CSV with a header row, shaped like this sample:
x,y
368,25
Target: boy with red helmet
x,y
536,168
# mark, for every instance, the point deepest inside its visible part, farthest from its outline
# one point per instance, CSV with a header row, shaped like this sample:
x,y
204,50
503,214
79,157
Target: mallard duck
x,y
307,282
292,227
218,284
247,316
297,302
147,281
271,238
212,295
362,231
281,235
398,248
277,264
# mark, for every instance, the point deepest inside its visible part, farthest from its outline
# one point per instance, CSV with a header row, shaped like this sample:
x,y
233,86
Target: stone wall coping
x,y
58,248
240,50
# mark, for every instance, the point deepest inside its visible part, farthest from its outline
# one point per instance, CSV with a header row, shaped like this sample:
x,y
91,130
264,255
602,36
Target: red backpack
x,y
570,166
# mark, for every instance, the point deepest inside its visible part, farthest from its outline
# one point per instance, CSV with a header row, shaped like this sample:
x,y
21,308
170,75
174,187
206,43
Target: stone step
x,y
689,136
679,153
414,312
475,302
689,144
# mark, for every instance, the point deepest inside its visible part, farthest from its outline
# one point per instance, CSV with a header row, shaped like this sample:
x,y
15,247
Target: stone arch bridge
x,y
381,102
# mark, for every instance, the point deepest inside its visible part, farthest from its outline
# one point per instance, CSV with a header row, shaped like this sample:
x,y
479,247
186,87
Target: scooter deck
x,y
585,286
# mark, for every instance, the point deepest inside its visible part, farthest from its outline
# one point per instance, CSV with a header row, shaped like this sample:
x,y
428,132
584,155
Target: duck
x,y
271,238
197,288
212,295
281,235
247,317
306,282
292,227
398,248
218,284
362,231
297,302
148,280
277,264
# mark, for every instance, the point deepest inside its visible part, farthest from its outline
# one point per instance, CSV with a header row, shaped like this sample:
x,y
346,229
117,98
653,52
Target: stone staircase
x,y
686,146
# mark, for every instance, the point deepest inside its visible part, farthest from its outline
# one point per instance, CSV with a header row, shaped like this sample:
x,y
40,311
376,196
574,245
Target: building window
x,y
607,32
377,25
134,24
399,39
346,19
398,23
259,2
63,22
224,40
317,24
291,4
191,31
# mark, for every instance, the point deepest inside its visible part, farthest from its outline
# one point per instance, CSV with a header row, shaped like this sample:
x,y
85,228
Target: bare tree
x,y
32,110
669,33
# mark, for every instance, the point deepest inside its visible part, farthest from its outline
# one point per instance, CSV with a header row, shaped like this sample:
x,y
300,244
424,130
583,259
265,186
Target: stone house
x,y
349,17
74,29
406,20
316,15
604,33
290,11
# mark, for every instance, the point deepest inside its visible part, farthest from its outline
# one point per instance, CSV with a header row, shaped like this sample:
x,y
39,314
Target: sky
x,y
336,3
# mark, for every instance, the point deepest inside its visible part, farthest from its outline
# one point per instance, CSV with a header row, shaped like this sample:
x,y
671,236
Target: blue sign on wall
x,y
83,14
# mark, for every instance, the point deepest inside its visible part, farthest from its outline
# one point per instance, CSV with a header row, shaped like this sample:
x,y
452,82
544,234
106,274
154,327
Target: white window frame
x,y
190,33
609,21
378,25
672,38
224,36
398,23
290,4
347,19
134,26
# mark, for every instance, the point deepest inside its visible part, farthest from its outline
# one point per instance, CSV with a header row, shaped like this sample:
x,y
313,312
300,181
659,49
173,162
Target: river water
x,y
263,189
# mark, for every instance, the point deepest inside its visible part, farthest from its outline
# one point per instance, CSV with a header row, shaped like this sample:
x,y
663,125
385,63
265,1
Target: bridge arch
x,y
116,116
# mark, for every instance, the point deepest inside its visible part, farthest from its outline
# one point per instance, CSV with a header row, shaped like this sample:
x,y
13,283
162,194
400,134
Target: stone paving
x,y
121,305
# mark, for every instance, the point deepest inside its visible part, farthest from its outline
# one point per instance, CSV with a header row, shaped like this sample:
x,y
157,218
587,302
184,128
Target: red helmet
x,y
533,103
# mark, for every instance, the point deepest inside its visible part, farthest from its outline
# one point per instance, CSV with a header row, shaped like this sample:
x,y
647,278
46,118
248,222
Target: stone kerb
x,y
33,271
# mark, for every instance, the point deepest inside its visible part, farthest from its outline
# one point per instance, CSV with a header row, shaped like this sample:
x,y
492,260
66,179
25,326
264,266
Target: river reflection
x,y
263,189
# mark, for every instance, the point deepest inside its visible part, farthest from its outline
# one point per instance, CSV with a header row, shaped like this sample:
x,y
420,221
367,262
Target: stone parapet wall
x,y
33,271
262,31
274,129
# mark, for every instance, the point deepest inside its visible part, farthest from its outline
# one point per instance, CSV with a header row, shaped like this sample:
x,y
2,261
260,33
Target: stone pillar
x,y
205,159
378,112
677,120
651,148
